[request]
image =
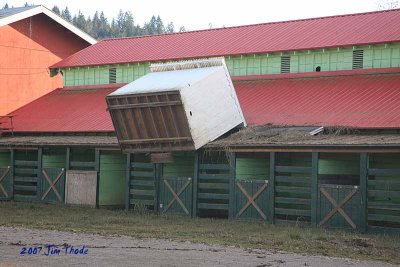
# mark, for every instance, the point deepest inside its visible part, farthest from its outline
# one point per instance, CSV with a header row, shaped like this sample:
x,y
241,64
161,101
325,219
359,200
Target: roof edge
x,y
42,9
315,74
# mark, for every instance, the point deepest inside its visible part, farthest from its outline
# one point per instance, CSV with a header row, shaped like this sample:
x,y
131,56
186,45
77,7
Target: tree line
x,y
99,27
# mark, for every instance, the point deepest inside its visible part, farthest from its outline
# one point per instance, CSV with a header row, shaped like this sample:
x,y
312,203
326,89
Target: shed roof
x,y
10,15
323,32
359,99
78,109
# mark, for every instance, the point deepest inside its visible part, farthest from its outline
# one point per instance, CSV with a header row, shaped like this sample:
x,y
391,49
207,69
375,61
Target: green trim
x,y
314,189
272,187
363,190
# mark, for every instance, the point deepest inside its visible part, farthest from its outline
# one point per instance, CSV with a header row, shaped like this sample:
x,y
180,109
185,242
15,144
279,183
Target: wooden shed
x,y
178,106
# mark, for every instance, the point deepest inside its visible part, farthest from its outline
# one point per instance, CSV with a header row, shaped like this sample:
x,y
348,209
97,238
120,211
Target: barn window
x,y
358,59
112,75
285,64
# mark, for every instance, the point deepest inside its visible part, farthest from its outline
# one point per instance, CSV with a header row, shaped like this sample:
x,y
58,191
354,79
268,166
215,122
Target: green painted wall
x,y
82,155
252,166
183,165
29,155
112,178
339,163
5,159
54,158
384,161
375,56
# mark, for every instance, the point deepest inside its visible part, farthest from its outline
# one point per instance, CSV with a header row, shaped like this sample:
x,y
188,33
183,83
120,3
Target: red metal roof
x,y
334,31
67,110
362,99
354,99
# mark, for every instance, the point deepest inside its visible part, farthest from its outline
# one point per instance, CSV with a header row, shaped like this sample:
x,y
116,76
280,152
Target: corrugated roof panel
x,y
334,31
359,100
66,110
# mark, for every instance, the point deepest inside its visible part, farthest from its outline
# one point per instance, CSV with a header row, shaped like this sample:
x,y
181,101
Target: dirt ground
x,y
127,251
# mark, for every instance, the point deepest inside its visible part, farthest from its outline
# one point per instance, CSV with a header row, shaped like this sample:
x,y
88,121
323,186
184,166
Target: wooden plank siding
x,y
150,122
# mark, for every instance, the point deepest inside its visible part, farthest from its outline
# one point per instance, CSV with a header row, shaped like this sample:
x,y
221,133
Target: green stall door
x,y
112,178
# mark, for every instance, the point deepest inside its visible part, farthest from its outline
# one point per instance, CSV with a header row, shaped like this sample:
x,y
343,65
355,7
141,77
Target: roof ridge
x,y
255,24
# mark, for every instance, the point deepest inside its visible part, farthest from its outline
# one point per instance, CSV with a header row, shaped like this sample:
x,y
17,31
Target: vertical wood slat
x,y
97,169
232,178
178,134
272,187
363,192
152,119
128,180
67,159
12,159
157,191
195,184
39,173
163,118
121,121
144,124
314,189
134,122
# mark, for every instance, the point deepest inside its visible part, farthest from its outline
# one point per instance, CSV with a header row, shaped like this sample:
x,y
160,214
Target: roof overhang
x,y
44,10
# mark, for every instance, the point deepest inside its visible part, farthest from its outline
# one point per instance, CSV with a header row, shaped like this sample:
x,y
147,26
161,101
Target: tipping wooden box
x,y
178,106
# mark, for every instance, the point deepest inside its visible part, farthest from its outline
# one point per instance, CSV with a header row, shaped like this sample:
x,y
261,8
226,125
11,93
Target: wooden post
x,y
363,191
232,177
128,181
97,169
39,174
12,159
195,184
272,187
67,165
158,174
314,189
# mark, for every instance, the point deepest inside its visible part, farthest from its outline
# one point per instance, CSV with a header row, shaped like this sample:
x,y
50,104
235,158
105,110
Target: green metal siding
x,y
376,56
112,178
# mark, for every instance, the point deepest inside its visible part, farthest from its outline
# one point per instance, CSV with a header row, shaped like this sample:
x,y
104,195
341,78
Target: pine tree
x,y
129,26
56,10
104,29
170,28
5,6
66,14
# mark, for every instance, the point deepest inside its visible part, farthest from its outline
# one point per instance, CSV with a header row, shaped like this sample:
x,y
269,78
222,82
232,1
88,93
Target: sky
x,y
201,14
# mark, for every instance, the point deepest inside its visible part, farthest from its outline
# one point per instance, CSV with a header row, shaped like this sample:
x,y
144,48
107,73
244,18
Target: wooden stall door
x,y
339,206
251,199
6,186
81,188
176,195
52,185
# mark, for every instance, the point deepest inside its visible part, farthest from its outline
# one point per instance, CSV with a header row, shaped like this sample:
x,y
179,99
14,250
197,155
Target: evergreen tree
x,y
5,6
56,10
104,29
26,4
121,26
66,14
170,28
159,26
182,29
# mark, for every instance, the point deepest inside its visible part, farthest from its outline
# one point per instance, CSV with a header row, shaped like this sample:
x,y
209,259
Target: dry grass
x,y
245,234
